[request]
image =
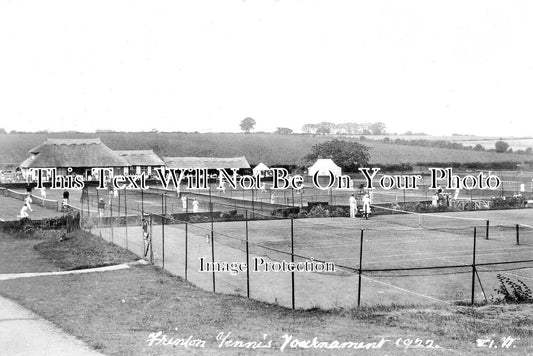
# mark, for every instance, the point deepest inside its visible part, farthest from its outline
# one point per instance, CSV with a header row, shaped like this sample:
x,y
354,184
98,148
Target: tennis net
x,y
431,221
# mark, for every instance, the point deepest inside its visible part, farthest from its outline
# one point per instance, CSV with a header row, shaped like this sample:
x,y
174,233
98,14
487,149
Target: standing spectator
x,y
366,206
101,207
24,212
66,195
195,206
435,200
28,201
110,194
272,197
183,202
353,206
43,192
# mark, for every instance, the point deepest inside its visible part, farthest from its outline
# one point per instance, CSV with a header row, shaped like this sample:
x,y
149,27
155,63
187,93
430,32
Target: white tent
x,y
260,168
323,167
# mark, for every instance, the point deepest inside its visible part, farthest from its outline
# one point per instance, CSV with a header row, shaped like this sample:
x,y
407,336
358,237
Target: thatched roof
x,y
140,157
73,153
206,162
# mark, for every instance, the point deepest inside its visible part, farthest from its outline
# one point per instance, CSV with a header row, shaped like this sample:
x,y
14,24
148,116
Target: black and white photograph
x,y
266,177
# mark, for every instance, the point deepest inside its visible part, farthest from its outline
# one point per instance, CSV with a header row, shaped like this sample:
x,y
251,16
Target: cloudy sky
x,y
204,65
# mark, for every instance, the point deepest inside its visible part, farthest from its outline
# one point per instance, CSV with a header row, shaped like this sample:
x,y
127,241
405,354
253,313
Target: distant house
x,y
79,154
323,166
141,161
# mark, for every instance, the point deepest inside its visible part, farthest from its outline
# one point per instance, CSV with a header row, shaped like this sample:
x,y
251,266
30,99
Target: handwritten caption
x,y
287,342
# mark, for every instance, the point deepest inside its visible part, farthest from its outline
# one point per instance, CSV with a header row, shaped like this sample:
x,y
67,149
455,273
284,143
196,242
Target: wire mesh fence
x,y
394,257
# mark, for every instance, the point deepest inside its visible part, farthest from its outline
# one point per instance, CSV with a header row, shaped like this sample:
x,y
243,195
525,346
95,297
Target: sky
x,y
204,65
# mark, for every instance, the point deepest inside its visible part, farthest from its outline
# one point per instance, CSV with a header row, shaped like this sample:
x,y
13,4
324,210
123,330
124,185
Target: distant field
x,y
268,148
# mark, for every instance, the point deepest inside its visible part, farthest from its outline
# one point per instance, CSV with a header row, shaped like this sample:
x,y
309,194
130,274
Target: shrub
x,y
318,212
512,292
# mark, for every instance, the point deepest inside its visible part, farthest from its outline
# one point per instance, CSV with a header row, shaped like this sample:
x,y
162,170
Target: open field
x,y
271,149
114,313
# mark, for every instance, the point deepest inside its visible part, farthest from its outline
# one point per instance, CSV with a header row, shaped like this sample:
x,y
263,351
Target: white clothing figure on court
x,y
353,206
435,200
43,192
195,206
184,203
366,205
24,212
28,201
272,200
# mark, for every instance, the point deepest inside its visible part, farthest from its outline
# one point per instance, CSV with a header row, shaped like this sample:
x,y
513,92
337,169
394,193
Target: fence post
x,y
487,231
163,239
292,260
163,228
473,267
186,247
111,218
518,234
142,202
212,245
98,222
360,269
151,240
126,215
247,257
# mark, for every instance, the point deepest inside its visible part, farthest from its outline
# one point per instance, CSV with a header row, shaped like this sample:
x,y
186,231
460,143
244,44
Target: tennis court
x,y
406,258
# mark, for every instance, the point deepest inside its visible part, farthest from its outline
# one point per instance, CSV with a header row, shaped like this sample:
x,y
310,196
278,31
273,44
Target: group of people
x,y
195,204
365,209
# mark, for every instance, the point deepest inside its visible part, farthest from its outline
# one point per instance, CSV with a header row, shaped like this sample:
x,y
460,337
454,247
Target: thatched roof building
x,y
141,160
206,162
79,154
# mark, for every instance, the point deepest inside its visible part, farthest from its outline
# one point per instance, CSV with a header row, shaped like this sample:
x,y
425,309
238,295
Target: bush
x,y
512,292
318,212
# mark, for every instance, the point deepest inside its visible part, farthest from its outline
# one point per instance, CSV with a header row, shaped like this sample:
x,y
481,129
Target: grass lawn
x,y
115,312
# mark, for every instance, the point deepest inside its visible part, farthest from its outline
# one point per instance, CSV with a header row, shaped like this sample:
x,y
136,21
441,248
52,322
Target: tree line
x,y
349,128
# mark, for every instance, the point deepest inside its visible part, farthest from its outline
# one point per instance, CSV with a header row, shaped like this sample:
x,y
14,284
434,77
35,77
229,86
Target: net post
x,y
292,260
360,269
487,230
247,256
518,234
212,244
186,248
473,268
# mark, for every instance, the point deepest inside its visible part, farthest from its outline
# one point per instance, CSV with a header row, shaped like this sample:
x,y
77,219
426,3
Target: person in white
x,y
366,206
28,201
24,212
272,199
435,200
195,206
353,206
43,192
184,203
